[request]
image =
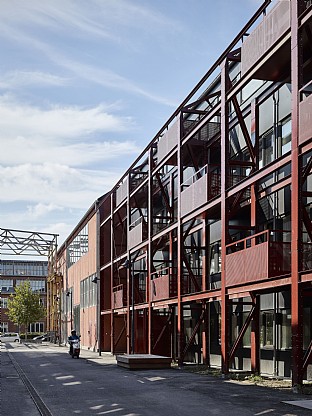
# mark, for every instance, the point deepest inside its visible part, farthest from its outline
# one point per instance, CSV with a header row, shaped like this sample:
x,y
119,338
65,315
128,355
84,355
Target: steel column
x,y
296,306
224,217
255,337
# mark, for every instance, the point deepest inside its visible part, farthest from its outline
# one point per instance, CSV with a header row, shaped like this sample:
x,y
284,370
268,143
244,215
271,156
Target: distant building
x,y
12,274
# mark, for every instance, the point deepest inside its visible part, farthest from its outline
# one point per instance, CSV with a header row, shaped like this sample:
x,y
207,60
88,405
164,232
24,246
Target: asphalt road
x,y
95,385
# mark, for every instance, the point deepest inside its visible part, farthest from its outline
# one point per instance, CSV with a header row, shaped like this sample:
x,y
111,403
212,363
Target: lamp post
x,y
70,295
129,265
97,281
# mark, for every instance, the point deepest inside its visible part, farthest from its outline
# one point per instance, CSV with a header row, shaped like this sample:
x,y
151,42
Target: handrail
x,y
160,273
190,181
137,222
244,240
268,234
118,288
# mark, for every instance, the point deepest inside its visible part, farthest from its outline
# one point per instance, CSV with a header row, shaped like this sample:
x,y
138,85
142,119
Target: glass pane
x,y
285,341
266,332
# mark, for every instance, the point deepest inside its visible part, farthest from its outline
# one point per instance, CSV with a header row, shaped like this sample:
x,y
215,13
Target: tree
x,y
25,307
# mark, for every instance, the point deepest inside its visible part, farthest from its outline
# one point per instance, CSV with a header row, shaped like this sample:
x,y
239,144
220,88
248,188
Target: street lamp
x,y
97,281
70,294
129,265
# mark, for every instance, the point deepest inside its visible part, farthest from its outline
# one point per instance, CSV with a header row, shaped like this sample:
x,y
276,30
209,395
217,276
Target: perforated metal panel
x,y
305,120
169,140
160,288
249,265
136,235
194,196
117,298
122,192
266,34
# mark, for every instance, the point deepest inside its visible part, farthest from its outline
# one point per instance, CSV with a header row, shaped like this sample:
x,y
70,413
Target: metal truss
x,y
31,243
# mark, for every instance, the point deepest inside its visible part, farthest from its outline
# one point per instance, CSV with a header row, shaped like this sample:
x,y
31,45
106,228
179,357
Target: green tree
x,y
25,307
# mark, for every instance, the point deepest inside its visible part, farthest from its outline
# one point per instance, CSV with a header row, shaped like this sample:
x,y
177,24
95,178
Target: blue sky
x,y
85,85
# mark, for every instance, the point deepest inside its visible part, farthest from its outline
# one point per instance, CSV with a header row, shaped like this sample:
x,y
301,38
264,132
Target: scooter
x,y
75,348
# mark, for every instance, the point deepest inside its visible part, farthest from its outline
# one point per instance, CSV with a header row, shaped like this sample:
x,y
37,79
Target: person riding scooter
x,y
73,337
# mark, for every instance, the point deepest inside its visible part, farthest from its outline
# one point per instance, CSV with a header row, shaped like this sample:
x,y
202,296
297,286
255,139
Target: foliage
x,y
24,307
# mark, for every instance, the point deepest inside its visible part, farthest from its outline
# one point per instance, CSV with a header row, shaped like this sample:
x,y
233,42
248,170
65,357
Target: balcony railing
x,y
259,257
118,297
163,284
136,179
197,190
169,140
266,34
122,192
305,113
137,232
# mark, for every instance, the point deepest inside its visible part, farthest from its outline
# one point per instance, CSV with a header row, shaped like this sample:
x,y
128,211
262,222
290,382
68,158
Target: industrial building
x,y
203,250
14,273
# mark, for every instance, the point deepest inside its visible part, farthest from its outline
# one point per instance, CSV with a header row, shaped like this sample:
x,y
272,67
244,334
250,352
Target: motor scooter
x,y
75,348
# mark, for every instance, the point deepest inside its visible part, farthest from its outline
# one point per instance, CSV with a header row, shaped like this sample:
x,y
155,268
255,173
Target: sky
x,y
85,85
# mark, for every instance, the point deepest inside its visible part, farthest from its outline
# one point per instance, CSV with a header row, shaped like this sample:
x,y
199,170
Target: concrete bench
x,y
143,361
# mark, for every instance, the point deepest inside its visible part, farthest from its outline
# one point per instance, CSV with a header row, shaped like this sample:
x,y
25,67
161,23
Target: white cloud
x,y
57,121
76,155
61,228
40,210
122,12
65,186
16,79
107,78
100,18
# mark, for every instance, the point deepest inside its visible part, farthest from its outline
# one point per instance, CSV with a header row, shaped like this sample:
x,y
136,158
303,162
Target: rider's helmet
x,y
73,332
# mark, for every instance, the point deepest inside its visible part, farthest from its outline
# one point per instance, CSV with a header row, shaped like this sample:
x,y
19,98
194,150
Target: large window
x,y
23,268
88,292
6,285
4,326
4,303
35,285
267,329
285,329
36,327
78,247
275,126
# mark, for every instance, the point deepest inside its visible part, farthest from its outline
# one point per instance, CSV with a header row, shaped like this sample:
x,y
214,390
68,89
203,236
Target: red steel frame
x,y
158,321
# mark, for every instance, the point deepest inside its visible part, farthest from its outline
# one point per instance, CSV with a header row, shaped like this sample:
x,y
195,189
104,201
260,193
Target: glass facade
x,y
23,268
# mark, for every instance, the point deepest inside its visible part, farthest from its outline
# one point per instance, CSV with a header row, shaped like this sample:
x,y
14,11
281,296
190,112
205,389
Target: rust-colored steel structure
x,y
214,216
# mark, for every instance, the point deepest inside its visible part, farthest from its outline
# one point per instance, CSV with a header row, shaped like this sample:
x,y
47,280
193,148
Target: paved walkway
x,y
301,401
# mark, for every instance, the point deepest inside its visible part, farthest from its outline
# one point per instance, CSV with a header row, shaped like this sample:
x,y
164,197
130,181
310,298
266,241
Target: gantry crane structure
x,y
34,243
